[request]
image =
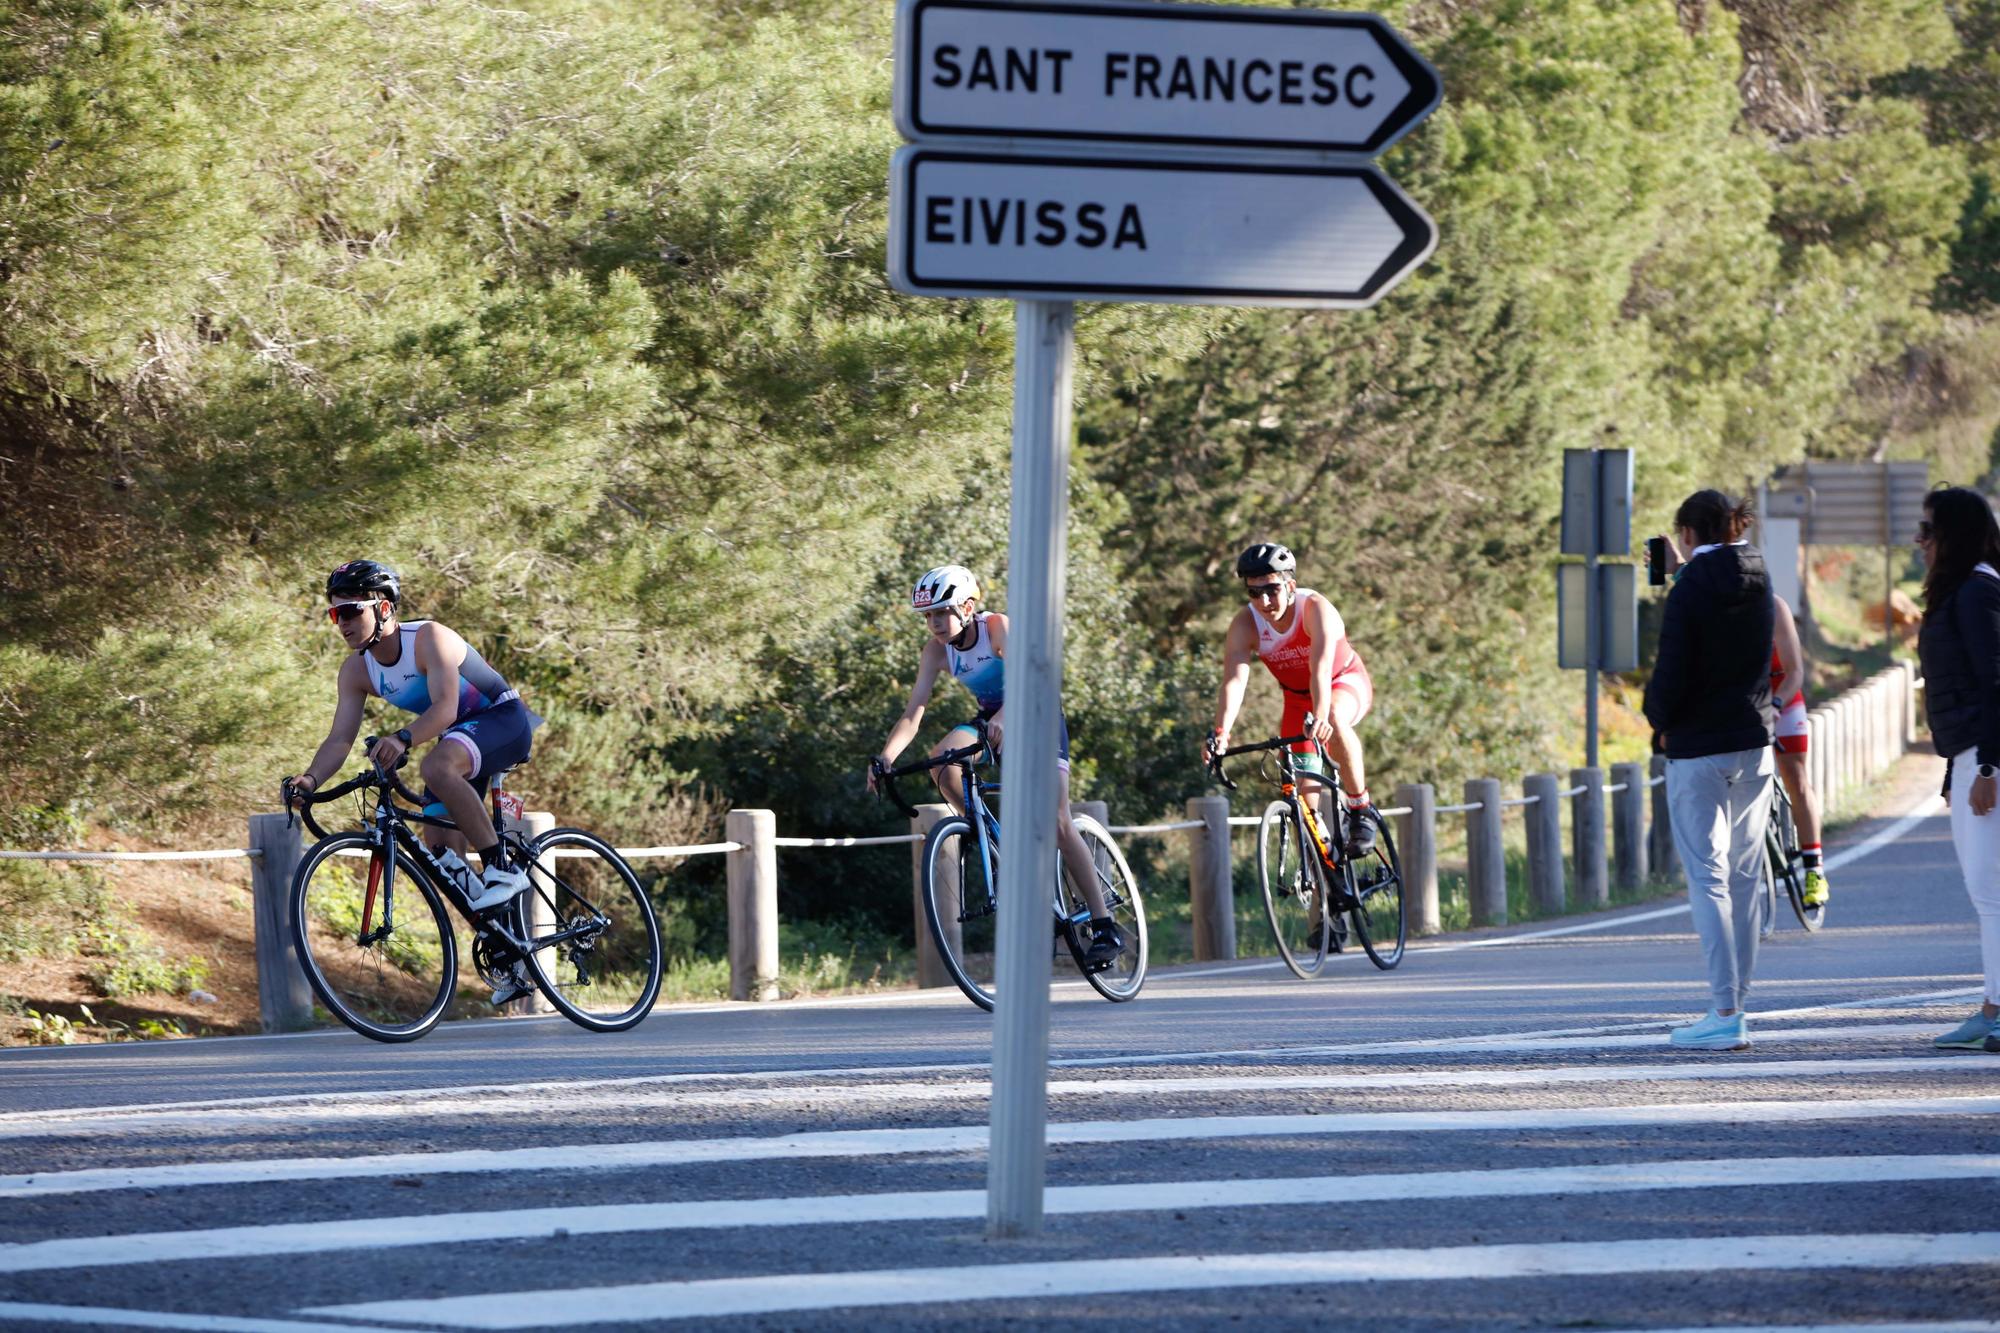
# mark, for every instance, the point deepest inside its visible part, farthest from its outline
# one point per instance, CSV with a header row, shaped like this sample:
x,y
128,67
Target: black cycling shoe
x,y
1106,943
1360,834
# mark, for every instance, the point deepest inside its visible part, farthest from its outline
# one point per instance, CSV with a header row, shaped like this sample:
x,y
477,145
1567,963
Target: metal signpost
x,y
1094,151
1597,606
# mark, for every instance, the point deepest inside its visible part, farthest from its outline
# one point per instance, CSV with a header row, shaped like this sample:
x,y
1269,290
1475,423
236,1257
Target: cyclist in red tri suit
x,y
1300,638
1788,694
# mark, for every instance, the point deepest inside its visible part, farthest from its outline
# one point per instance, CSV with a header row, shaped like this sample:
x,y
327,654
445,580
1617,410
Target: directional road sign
x,y
1195,75
967,223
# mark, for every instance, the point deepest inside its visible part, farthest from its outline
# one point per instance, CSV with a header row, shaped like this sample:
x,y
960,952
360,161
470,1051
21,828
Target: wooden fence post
x,y
284,998
1545,857
1485,853
753,904
1593,884
1665,857
1211,880
1417,832
931,969
1628,826
531,825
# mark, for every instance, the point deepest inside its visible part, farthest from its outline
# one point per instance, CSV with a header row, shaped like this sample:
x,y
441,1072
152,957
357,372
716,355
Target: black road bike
x,y
960,879
1312,887
378,947
1784,864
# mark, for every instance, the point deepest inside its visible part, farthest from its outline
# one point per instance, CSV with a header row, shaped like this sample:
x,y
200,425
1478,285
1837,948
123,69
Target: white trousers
x,y
1977,839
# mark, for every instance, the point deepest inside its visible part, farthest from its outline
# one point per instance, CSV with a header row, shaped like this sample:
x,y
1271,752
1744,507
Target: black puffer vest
x,y
1959,647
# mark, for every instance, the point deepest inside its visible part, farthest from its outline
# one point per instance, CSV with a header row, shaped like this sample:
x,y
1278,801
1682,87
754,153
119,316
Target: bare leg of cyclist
x,y
948,781
1805,801
1344,748
447,771
1076,853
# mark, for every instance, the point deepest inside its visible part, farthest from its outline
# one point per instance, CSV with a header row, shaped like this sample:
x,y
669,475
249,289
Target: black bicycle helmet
x,y
1265,558
365,578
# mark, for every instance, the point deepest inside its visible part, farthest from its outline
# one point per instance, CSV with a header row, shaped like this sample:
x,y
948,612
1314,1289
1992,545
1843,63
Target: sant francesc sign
x,y
1152,152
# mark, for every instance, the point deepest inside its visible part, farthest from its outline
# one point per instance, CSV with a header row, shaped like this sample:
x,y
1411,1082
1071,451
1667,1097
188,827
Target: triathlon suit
x,y
981,671
1792,729
1288,656
493,725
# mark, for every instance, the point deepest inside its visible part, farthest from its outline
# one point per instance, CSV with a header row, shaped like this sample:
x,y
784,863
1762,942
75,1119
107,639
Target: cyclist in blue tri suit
x,y
970,645
423,667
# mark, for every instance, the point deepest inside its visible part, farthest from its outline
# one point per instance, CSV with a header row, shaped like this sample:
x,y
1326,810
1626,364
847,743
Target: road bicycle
x,y
384,959
1311,885
959,882
1784,864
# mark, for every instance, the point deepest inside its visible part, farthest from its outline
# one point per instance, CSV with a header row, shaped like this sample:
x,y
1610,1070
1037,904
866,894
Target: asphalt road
x,y
1493,1136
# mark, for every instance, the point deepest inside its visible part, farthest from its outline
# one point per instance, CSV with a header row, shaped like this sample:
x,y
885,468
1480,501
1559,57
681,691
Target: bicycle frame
x,y
1288,783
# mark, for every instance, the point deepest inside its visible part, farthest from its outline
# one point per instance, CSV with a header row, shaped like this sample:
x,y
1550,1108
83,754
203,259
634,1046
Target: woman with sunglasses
x,y
1959,647
423,667
1302,641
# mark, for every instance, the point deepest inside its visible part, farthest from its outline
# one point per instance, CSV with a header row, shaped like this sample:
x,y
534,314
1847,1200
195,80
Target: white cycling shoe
x,y
498,886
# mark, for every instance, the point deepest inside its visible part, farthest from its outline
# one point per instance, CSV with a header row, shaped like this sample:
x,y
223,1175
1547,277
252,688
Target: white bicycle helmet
x,y
947,585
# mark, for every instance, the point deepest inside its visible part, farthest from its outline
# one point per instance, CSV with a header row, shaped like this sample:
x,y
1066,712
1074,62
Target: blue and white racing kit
x,y
982,671
493,725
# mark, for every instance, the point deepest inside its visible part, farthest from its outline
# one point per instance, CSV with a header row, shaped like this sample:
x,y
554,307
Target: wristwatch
x,y
1988,770
403,735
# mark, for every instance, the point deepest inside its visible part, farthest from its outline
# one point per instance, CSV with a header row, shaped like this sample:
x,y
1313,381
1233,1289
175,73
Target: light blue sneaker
x,y
1970,1035
1713,1033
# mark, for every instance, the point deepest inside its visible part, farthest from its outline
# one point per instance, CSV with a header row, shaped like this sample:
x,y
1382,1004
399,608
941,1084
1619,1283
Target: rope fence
x,y
1851,740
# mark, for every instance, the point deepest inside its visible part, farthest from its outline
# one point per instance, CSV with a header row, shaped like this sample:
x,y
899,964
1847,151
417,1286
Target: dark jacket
x,y
1711,687
1959,646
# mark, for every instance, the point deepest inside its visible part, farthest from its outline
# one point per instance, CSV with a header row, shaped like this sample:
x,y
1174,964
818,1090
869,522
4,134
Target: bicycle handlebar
x,y
373,776
885,776
1215,756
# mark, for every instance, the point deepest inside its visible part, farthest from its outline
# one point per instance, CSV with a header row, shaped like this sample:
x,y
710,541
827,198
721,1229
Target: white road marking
x,y
971,1138
18,1124
373,1233
299,1119
97,1316
788,1292
1948,1326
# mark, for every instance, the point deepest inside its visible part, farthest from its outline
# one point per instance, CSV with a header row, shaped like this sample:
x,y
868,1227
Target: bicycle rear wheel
x,y
960,908
1288,868
1127,973
1788,863
595,943
374,938
1375,882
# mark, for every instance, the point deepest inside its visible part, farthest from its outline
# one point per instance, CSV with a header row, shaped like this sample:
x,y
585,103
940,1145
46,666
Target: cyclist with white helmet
x,y
970,645
423,667
1300,638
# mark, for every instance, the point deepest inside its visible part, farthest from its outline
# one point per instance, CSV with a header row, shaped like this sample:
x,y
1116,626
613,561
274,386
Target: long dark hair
x,y
1713,517
1963,533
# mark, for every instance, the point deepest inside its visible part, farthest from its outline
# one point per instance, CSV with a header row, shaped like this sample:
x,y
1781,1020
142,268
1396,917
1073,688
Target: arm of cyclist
x,y
1791,656
1328,631
1239,650
929,666
440,654
351,695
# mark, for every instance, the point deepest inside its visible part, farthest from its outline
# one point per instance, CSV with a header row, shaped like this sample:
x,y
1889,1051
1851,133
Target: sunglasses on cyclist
x,y
1259,591
342,612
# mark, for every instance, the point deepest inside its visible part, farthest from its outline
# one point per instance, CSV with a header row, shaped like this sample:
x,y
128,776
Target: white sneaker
x,y
497,886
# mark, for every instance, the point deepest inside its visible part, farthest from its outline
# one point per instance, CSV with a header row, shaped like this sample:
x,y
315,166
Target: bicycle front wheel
x,y
594,941
373,938
1294,890
1375,882
1127,973
960,909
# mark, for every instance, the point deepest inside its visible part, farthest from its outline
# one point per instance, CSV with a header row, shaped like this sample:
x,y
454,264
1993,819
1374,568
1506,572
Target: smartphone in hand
x,y
1656,561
